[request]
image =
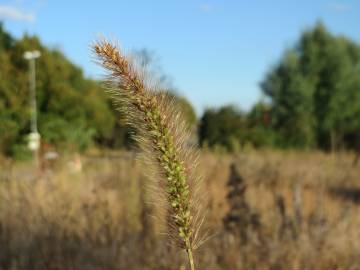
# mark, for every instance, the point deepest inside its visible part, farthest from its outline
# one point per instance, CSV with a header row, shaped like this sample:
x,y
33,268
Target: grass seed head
x,y
163,138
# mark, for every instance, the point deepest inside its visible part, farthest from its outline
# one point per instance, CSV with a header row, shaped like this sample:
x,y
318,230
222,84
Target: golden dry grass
x,y
94,219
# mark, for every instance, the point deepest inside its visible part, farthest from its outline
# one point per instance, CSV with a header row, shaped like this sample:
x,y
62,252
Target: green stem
x,y
191,259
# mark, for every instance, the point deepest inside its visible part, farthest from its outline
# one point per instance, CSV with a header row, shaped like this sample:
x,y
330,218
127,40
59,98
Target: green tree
x,y
72,110
259,130
223,127
314,91
292,103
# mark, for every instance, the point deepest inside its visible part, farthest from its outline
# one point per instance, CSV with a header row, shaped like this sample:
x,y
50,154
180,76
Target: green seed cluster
x,y
177,188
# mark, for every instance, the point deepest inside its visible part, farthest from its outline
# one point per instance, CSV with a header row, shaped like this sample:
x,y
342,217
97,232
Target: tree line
x,y
311,101
73,111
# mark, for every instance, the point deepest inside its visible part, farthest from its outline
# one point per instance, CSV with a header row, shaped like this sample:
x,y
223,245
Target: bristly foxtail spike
x,y
164,140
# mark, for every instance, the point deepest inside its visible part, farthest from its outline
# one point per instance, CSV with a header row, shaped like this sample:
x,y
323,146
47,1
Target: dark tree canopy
x,y
222,127
232,129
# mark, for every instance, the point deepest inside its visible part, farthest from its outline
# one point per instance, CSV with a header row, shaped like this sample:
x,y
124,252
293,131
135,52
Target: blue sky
x,y
216,52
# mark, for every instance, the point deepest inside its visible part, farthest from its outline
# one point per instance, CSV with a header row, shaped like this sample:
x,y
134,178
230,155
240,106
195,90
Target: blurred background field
x,y
270,92
293,210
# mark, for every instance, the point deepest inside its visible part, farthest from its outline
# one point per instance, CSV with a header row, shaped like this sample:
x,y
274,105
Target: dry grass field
x,y
289,210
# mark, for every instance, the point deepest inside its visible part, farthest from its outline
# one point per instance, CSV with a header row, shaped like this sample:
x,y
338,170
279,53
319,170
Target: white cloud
x,y
339,7
12,13
206,8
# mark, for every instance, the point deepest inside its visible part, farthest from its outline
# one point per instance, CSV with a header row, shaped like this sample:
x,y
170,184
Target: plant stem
x,y
191,259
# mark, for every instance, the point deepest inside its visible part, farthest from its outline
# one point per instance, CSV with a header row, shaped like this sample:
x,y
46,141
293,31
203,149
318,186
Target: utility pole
x,y
34,136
